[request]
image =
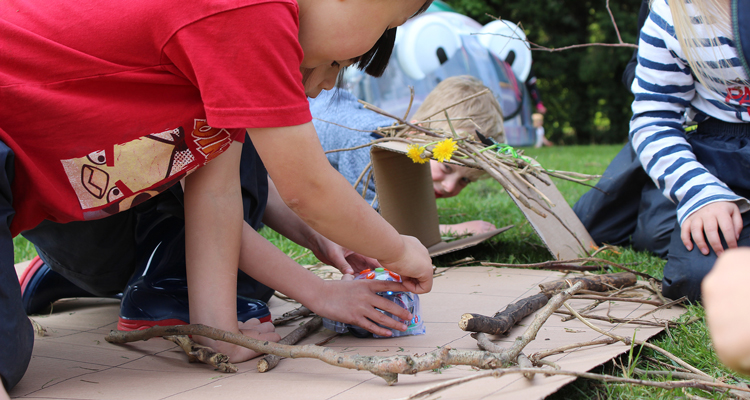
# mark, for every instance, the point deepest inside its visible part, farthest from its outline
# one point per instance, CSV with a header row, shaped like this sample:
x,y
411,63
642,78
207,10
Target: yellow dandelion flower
x,y
415,153
444,150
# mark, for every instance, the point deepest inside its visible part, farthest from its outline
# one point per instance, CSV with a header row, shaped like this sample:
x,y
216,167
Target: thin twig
x,y
497,373
539,355
623,299
615,320
269,361
639,342
297,313
552,265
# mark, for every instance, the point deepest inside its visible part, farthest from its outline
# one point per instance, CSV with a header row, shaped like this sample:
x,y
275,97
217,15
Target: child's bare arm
x,y
353,302
727,310
284,221
722,215
213,230
327,203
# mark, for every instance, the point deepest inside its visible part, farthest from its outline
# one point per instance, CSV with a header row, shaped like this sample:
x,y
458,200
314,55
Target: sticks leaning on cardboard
x,y
406,197
407,202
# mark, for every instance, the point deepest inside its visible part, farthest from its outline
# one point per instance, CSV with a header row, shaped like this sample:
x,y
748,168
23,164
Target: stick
x,y
524,362
536,357
270,361
555,266
503,321
614,320
297,313
639,342
539,319
598,283
39,330
624,299
200,353
387,368
497,373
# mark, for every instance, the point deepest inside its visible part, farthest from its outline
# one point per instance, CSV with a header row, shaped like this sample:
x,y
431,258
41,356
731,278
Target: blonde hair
x,y
482,113
714,16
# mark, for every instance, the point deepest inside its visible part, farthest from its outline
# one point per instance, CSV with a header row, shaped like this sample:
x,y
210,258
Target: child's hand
x,y
722,215
253,329
468,227
355,302
414,266
727,312
343,259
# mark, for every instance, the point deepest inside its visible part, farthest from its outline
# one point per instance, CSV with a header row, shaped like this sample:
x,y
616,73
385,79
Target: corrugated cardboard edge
x,y
447,247
407,202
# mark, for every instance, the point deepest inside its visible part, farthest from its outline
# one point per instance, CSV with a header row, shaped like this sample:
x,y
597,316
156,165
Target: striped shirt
x,y
667,94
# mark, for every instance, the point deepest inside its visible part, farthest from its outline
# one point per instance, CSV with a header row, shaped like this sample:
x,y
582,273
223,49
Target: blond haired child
x,y
689,71
334,113
107,104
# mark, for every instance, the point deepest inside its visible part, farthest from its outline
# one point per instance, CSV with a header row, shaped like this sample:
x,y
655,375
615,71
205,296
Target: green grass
x,y
23,250
487,201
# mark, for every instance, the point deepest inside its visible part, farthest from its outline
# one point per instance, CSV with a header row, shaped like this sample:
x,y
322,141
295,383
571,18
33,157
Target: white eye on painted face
x,y
97,157
114,194
427,42
507,41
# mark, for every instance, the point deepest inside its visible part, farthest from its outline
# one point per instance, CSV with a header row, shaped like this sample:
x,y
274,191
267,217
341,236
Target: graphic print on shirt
x,y
739,95
111,180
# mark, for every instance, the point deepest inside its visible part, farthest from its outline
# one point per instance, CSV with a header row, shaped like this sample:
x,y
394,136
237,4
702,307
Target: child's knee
x,y
684,273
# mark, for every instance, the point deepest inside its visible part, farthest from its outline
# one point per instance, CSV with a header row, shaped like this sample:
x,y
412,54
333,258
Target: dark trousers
x,y
16,334
724,149
626,208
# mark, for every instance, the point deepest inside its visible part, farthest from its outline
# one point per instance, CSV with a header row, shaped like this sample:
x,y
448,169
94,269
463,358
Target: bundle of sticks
x,y
501,161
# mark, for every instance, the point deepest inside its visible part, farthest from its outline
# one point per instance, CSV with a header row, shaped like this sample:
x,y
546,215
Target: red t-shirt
x,y
107,102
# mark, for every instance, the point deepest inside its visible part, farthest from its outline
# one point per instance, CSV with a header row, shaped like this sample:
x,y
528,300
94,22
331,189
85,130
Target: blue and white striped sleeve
x,y
663,89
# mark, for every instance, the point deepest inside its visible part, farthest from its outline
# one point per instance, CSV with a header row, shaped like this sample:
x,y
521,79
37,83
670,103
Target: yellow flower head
x,y
444,150
415,153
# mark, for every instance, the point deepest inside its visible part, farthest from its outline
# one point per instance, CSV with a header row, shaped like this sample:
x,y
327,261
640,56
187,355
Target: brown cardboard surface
x,y
74,361
407,202
566,238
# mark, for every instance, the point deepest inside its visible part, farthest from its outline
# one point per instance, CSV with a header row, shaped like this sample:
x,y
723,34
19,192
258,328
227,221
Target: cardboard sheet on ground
x,y
407,201
74,361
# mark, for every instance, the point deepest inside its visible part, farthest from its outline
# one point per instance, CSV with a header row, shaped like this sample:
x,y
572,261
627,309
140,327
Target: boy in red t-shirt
x,y
103,108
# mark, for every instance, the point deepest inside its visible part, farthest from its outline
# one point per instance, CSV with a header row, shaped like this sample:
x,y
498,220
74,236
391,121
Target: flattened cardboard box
x,y
407,201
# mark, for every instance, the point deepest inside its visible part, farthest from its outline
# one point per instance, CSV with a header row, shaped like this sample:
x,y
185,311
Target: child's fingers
x,y
418,286
726,224
393,308
685,235
696,231
370,326
737,221
711,230
375,318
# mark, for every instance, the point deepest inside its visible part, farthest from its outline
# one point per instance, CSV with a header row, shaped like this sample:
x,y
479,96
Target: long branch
x,y
387,368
